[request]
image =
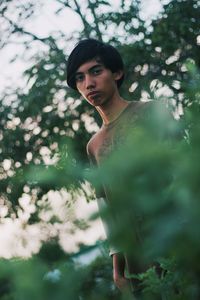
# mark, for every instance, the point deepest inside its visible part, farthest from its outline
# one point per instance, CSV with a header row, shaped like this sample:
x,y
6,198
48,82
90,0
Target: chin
x,y
97,102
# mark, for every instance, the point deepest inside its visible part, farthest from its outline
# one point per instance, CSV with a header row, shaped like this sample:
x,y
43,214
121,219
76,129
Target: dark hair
x,y
89,49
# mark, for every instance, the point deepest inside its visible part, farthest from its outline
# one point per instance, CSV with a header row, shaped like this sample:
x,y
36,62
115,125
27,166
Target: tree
x,y
45,126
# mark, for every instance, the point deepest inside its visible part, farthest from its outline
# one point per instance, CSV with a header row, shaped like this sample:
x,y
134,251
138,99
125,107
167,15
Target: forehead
x,y
88,65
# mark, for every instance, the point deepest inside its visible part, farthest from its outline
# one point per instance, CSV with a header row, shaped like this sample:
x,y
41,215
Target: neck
x,y
112,109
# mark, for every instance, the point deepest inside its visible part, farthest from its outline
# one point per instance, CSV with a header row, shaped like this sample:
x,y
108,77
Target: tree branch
x,y
92,8
18,29
85,23
77,10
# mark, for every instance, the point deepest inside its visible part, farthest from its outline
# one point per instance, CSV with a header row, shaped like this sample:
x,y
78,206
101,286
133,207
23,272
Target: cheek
x,y
83,95
80,90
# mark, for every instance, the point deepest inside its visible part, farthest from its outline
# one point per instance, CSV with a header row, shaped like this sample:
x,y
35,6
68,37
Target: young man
x,y
96,70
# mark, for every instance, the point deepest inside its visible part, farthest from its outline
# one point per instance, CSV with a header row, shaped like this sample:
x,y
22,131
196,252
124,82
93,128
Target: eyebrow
x,y
90,69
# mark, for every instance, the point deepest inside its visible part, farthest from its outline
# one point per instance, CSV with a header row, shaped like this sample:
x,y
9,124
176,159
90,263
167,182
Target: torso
x,y
111,136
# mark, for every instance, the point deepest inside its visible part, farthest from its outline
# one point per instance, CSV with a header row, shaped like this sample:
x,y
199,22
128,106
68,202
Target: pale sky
x,y
46,22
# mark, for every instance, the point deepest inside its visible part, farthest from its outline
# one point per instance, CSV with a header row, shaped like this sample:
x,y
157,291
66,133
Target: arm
x,y
118,271
118,258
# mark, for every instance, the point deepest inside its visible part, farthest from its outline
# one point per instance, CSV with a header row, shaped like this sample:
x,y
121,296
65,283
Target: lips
x,y
93,94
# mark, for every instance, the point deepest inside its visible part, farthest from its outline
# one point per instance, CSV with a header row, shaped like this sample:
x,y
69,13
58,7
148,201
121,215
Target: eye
x,y
79,77
97,71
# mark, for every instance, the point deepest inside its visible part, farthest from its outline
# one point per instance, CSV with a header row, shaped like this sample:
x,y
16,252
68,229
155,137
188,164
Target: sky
x,y
13,234
47,21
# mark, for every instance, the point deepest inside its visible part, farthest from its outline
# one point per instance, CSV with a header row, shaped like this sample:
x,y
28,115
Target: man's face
x,y
96,83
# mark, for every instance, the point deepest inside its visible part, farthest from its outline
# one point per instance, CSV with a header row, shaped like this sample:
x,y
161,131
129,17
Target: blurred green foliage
x,y
45,126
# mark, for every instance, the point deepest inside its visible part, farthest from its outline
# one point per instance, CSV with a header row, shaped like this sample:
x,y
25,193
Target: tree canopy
x,y
44,127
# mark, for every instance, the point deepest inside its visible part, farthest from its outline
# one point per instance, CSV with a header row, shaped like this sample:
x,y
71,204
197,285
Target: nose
x,y
89,82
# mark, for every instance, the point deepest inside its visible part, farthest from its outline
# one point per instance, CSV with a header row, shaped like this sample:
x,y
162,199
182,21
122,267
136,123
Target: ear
x,y
118,75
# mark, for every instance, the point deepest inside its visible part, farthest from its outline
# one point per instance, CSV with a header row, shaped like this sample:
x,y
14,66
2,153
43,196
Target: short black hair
x,y
88,49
